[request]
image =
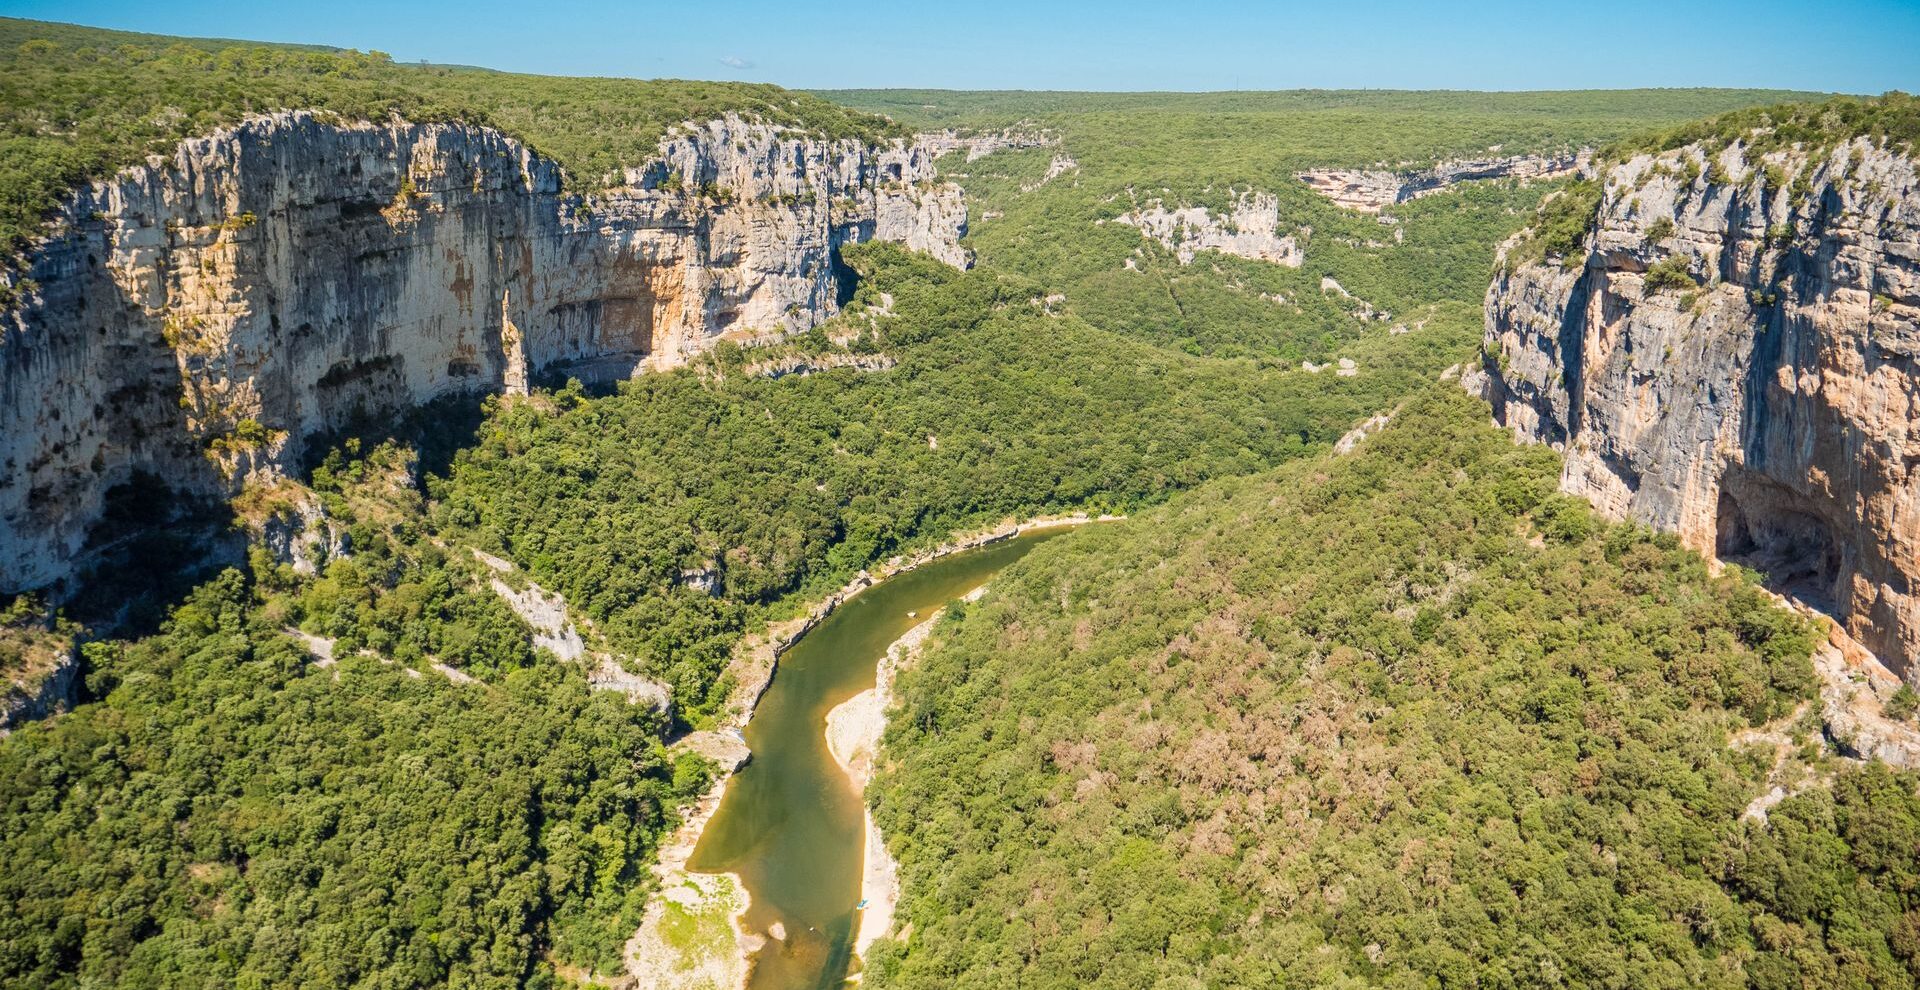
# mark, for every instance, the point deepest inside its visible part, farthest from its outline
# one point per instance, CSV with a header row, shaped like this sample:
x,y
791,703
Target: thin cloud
x,y
736,62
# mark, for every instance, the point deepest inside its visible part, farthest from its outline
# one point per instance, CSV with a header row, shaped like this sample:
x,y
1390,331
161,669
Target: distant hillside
x,y
1598,114
1067,214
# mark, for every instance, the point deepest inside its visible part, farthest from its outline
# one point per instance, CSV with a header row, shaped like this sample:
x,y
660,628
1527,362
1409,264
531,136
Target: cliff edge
x,y
188,324
1731,352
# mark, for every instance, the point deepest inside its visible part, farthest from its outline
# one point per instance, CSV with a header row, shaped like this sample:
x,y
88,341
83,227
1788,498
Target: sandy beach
x,y
691,934
854,729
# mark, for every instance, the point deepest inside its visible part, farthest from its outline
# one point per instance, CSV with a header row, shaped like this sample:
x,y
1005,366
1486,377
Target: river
x,y
791,825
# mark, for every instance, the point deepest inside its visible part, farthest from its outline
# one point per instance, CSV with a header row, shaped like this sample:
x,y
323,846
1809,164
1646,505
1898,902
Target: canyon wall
x,y
1371,190
187,325
1734,356
1250,229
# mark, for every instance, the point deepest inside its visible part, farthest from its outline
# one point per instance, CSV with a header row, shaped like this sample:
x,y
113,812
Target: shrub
x,y
1670,273
1561,224
1904,703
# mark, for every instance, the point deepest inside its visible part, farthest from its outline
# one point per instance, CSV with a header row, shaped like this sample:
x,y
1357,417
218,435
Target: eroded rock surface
x,y
813,364
546,615
1770,413
198,317
979,144
41,671
1249,230
1372,190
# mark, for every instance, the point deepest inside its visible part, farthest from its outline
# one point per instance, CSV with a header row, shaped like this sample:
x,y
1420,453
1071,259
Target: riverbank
x,y
691,934
682,942
753,664
854,729
853,735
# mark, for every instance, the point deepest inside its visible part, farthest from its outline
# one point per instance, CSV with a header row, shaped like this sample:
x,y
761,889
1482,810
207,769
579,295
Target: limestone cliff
x,y
1371,190
192,321
1734,355
1249,229
976,145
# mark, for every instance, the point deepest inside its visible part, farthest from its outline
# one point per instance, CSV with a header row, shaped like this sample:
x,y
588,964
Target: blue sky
x,y
1861,46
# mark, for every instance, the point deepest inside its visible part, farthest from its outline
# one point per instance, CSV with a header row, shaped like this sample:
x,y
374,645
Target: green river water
x,y
791,824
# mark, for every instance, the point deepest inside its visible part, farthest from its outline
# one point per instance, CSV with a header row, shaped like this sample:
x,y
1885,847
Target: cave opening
x,y
845,280
1766,526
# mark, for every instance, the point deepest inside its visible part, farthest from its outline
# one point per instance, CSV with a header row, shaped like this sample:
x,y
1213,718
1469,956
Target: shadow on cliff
x,y
437,431
153,544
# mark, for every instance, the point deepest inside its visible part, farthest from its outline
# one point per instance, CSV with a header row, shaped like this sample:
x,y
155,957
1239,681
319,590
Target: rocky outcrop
x,y
1371,190
1060,165
979,144
813,364
1358,307
42,675
291,523
546,615
1854,691
1250,229
1734,356
188,324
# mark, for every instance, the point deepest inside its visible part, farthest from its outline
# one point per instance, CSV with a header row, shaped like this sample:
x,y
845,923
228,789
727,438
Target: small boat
x,y
862,906
913,615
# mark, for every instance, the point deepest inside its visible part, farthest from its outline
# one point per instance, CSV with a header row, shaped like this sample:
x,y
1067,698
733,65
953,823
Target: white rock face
x,y
1854,690
1772,414
1371,190
1059,166
812,364
1351,440
1249,230
198,317
546,615
980,144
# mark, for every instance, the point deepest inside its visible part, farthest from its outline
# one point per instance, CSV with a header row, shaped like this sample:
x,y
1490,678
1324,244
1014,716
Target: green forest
x,y
228,813
997,408
1397,718
1403,718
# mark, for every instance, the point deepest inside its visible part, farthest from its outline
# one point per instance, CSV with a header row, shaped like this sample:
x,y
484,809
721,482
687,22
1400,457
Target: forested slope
x,y
1113,153
229,812
788,485
998,407
1400,718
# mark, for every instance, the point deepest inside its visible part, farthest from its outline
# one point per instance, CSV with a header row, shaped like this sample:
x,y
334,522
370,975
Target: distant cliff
x,y
1732,353
1371,190
194,320
1249,229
